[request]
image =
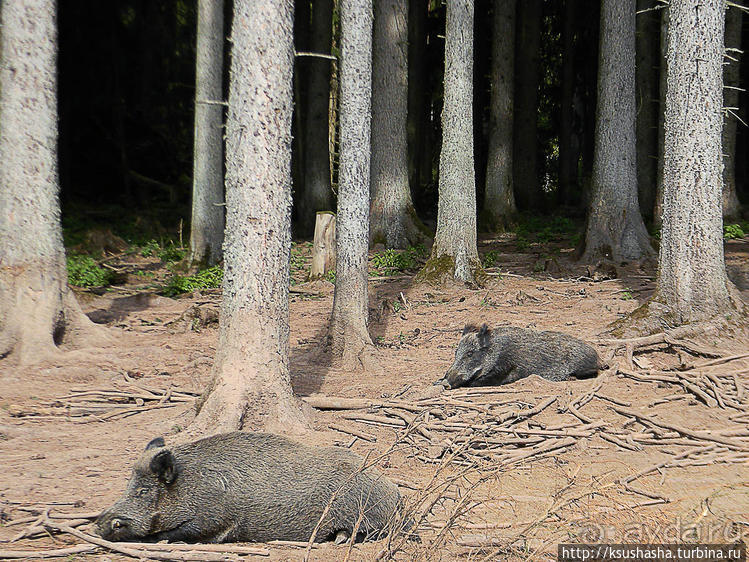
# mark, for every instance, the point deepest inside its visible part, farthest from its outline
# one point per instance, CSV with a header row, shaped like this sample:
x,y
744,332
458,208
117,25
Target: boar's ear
x,y
469,328
484,334
155,443
162,465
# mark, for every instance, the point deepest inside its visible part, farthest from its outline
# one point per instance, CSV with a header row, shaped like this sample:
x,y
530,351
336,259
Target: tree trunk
x,y
658,205
731,71
318,195
615,228
37,310
647,105
569,143
393,219
207,227
527,75
417,92
692,285
251,387
499,199
349,336
454,253
323,247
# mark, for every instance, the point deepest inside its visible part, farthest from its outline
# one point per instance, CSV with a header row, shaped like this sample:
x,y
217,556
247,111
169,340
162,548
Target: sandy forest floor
x,y
676,413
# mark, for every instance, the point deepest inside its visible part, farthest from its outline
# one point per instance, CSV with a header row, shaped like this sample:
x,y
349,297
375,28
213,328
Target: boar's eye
x,y
142,492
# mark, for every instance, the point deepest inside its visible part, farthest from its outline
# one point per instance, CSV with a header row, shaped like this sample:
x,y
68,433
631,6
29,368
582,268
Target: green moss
x,y
442,269
435,270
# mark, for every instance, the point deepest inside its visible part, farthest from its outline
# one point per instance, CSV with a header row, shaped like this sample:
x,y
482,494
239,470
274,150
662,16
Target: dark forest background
x,y
126,93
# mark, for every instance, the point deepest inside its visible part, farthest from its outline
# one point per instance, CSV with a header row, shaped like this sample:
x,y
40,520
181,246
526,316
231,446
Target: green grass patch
x,y
210,278
83,271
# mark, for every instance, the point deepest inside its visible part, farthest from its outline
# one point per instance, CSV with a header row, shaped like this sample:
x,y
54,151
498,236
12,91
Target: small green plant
x,y
171,253
149,249
733,232
330,276
392,262
84,272
521,243
626,295
490,258
210,278
148,274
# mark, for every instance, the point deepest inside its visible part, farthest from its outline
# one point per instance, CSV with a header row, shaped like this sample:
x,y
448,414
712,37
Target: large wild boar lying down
x,y
248,487
504,355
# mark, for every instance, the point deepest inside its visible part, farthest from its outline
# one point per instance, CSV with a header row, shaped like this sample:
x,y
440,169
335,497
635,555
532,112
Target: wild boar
x,y
507,354
248,487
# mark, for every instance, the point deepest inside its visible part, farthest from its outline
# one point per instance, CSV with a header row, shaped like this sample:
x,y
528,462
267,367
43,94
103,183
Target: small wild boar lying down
x,y
248,487
507,354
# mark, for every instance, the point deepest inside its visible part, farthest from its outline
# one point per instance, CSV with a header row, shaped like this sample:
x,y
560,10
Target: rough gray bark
x,y
207,227
615,229
527,75
417,97
317,195
349,337
37,310
692,285
454,252
731,71
658,205
393,220
646,76
251,386
499,199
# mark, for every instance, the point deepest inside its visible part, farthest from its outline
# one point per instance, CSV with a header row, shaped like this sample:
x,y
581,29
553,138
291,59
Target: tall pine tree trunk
x,y
731,71
647,105
692,285
349,337
417,92
251,386
663,66
499,199
527,75
615,227
393,219
454,253
37,310
317,195
207,229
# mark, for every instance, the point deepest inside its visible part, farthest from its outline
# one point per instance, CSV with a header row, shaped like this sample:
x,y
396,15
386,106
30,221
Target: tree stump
x,y
323,248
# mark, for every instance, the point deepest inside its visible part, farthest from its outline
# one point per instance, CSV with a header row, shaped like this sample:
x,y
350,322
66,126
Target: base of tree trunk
x,y
41,313
227,406
443,269
497,223
654,317
407,231
633,242
352,347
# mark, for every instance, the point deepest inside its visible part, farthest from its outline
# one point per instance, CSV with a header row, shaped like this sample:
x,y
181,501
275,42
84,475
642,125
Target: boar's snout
x,y
112,526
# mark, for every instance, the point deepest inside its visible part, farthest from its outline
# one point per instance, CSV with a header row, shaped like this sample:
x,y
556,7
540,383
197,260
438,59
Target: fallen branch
x,y
57,553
